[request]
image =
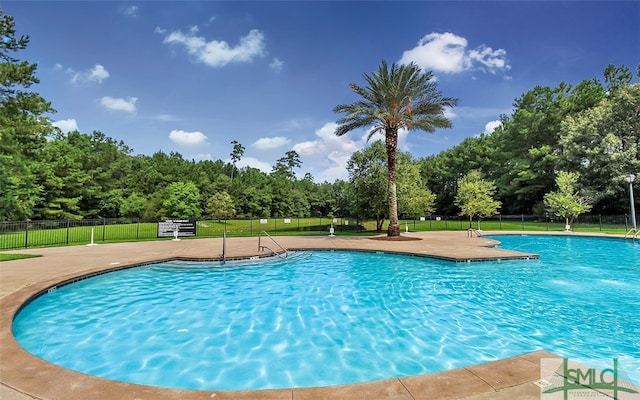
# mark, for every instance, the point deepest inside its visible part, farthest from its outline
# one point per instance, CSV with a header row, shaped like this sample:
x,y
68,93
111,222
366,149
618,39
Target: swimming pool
x,y
323,318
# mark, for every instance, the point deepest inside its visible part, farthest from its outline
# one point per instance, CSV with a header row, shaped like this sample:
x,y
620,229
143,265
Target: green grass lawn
x,y
9,257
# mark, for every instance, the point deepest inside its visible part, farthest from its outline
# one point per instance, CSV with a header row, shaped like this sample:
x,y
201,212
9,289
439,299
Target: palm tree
x,y
402,97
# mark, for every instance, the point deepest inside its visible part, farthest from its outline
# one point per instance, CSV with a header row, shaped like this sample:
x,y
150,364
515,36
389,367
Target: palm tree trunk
x,y
391,140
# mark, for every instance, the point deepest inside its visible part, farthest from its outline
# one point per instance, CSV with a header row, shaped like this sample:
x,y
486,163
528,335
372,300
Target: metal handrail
x,y
471,231
261,247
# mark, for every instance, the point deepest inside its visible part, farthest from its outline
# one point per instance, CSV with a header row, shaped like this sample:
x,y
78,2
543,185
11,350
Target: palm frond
x,y
394,97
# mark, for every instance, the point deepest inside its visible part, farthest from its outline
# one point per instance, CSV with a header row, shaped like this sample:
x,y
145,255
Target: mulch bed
x,y
395,238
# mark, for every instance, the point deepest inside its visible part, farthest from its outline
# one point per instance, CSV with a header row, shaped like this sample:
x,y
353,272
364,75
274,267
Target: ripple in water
x,y
327,318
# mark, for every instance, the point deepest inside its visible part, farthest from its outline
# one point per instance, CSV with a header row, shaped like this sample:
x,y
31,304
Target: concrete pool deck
x,y
24,376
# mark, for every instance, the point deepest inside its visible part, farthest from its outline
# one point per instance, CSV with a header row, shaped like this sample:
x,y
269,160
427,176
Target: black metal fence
x,y
26,234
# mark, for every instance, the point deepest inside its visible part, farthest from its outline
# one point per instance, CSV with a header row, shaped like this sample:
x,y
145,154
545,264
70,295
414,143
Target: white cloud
x,y
443,52
330,151
329,154
165,117
187,138
492,60
96,74
254,163
119,104
491,126
270,143
276,64
131,11
66,125
218,53
448,53
448,113
203,156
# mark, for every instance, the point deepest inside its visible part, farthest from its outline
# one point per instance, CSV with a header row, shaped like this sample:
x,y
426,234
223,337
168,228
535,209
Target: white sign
x,y
287,220
263,220
422,218
177,227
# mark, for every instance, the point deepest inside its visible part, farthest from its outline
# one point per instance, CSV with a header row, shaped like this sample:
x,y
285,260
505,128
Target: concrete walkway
x,y
24,376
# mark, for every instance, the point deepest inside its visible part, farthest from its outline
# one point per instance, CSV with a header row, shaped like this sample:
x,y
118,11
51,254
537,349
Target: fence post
x,y
104,227
500,221
522,216
67,230
26,234
547,222
626,223
138,229
600,221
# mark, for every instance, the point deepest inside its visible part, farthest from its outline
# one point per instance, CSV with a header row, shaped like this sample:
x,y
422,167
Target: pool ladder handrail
x,y
471,231
261,246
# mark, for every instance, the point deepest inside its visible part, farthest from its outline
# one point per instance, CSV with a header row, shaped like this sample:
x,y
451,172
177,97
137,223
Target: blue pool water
x,y
326,318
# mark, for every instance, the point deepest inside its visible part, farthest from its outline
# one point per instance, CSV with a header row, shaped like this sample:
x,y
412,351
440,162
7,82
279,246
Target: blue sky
x,y
192,76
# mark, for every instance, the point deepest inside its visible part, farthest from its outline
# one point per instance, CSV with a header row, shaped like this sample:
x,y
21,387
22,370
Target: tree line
x,y
591,130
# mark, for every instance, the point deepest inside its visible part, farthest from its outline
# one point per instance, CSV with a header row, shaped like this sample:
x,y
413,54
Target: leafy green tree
x,y
91,168
133,206
285,165
368,178
66,180
282,199
414,198
400,97
340,199
221,205
566,202
111,204
236,155
602,144
23,127
220,183
254,195
442,172
528,143
308,198
153,205
617,77
206,174
182,200
153,173
475,196
282,178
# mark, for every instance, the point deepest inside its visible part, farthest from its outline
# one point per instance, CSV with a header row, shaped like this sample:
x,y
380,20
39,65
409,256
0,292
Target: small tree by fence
x,y
28,234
